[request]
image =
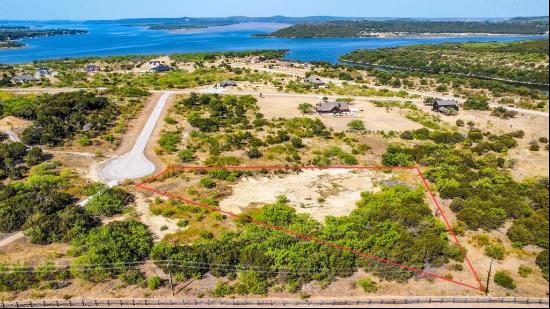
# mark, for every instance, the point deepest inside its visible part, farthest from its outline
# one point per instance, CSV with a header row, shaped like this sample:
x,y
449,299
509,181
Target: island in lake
x,y
10,36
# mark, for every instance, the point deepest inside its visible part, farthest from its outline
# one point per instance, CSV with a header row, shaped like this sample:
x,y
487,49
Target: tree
x,y
477,103
111,250
356,125
305,108
109,202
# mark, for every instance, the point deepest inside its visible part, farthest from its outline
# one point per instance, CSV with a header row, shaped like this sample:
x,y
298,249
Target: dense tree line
x,y
262,257
61,116
16,158
476,184
519,61
372,27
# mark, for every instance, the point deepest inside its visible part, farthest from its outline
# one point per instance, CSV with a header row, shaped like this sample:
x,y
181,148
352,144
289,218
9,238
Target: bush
x,y
221,289
187,155
534,147
154,283
109,202
207,182
504,279
542,263
477,103
524,271
251,282
495,251
254,153
357,125
114,249
169,141
132,277
367,285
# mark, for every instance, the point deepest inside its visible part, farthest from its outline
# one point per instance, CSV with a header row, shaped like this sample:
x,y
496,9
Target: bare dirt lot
x,y
375,118
319,193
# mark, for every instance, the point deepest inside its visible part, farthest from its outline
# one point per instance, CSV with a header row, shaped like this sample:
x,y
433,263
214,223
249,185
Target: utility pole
x,y
170,274
488,278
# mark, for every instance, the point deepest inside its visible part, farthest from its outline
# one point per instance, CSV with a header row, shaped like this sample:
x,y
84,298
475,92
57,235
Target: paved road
x,y
134,164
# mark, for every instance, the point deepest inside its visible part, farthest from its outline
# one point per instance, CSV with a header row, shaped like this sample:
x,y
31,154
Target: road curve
x,y
134,164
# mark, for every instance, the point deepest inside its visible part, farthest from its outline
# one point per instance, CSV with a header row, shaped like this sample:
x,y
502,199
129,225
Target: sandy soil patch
x,y
160,226
13,123
528,163
320,193
375,118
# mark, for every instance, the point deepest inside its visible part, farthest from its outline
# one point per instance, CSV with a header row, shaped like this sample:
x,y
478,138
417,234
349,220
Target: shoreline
x,y
391,35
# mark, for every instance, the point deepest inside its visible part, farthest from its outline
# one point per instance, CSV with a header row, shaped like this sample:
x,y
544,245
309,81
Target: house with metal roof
x,y
446,107
315,81
332,107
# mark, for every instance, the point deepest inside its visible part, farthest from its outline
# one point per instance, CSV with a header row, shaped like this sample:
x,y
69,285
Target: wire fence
x,y
271,302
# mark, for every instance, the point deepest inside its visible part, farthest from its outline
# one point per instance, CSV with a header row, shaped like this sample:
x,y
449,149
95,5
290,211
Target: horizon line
x,y
272,16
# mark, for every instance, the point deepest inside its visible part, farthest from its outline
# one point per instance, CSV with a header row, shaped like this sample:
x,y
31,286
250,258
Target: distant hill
x,y
192,22
373,28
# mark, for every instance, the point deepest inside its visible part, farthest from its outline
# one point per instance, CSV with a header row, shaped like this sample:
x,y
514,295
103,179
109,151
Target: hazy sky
x,y
113,9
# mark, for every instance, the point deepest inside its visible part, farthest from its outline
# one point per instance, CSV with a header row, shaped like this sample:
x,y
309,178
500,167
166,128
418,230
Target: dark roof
x,y
330,106
161,68
226,83
92,67
315,80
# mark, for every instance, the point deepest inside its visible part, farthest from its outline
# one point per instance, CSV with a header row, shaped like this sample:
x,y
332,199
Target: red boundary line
x,y
143,186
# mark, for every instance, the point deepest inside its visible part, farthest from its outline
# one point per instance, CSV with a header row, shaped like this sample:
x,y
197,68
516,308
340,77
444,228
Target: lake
x,y
109,38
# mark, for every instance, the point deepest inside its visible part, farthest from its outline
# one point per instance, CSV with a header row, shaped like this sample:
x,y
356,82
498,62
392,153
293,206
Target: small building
x,y
446,107
332,108
92,68
42,72
155,63
315,81
228,83
23,78
160,68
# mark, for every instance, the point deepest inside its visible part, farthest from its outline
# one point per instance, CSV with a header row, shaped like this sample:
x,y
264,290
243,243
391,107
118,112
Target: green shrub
x,y
207,182
169,141
154,283
504,279
221,289
367,285
251,282
132,277
524,271
495,251
542,263
109,202
357,125
187,155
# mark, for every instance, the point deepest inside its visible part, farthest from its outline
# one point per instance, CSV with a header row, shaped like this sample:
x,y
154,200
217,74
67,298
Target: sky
x,y
115,9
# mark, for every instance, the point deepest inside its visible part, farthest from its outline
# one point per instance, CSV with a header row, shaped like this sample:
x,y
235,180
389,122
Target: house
x,y
332,108
154,63
23,78
42,72
447,107
228,83
160,68
92,68
315,81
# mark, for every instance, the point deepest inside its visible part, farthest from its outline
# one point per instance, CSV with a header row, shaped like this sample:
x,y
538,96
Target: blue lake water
x,y
112,38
